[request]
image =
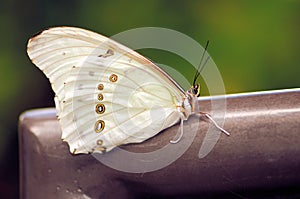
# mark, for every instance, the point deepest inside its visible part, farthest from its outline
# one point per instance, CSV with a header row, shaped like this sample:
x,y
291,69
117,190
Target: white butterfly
x,y
107,94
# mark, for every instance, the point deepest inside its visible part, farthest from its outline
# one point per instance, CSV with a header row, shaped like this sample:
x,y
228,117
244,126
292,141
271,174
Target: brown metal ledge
x,y
261,158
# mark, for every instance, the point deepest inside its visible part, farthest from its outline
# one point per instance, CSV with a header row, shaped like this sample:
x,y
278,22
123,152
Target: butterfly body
x,y
106,94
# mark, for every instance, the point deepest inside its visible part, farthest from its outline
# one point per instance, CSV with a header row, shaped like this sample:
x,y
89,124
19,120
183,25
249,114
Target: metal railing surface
x,y
260,159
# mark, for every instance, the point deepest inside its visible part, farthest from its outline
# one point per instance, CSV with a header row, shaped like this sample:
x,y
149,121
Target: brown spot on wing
x,y
108,53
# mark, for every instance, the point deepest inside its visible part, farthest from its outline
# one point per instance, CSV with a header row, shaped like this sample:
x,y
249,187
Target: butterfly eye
x,y
99,126
113,78
100,87
194,91
100,108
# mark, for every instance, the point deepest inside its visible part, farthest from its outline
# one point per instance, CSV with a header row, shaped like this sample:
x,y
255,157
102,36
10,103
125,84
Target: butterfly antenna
x,y
201,66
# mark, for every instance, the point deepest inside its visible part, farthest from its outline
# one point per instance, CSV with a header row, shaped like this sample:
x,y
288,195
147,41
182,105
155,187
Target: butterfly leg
x,y
208,117
180,132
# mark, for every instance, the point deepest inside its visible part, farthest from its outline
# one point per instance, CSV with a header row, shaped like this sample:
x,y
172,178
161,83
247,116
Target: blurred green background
x,y
254,43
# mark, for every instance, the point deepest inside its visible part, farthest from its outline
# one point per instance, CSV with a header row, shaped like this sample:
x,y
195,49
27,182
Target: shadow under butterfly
x,y
107,94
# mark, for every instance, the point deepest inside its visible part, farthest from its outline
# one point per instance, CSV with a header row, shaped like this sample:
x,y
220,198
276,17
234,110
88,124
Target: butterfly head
x,y
195,90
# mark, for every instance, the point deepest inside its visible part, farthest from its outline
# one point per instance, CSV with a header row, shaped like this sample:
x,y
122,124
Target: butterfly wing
x,y
106,93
